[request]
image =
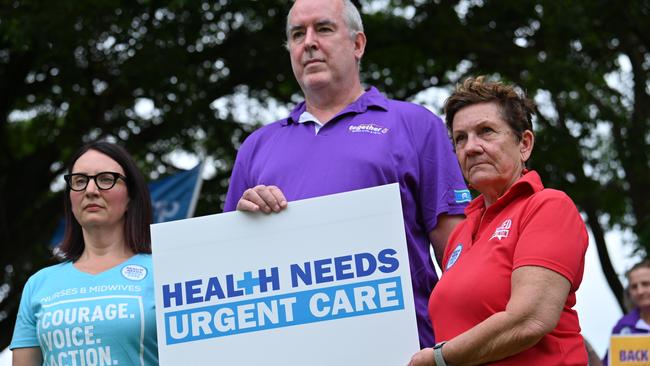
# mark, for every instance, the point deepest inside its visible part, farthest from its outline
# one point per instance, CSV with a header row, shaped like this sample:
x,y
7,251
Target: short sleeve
x,y
552,235
442,188
238,179
25,332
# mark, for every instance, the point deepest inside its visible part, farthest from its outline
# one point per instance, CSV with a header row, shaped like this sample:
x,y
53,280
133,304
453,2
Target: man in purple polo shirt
x,y
343,138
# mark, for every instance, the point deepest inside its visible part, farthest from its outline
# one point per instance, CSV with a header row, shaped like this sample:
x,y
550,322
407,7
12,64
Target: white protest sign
x,y
325,282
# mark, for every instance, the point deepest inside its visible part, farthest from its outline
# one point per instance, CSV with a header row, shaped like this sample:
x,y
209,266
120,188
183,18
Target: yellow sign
x,y
629,350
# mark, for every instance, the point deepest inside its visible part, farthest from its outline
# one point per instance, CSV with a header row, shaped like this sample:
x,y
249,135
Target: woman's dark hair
x,y
138,213
516,109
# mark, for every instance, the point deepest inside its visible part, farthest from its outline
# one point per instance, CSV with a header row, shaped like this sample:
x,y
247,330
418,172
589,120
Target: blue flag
x,y
172,198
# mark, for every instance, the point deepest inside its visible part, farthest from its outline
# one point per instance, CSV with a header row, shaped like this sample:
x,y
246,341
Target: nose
x,y
91,188
311,39
473,145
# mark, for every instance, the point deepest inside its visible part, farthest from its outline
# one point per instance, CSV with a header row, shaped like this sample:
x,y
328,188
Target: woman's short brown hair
x,y
516,109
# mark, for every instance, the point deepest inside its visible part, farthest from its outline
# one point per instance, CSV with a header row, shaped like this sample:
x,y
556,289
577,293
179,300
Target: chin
x,y
91,223
316,81
479,182
94,220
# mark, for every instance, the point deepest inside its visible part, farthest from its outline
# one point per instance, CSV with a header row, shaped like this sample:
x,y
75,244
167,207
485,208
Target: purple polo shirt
x,y
373,141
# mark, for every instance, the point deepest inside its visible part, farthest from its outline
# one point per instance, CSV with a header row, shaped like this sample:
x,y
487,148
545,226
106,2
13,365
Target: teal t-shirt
x,y
78,318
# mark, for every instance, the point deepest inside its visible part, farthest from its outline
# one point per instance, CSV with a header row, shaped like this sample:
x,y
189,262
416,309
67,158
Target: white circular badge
x,y
134,272
626,330
454,255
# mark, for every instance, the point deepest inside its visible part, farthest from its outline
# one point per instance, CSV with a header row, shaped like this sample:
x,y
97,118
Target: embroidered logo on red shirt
x,y
454,256
503,230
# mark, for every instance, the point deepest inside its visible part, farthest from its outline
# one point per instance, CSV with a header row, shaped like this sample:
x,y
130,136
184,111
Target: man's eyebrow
x,y
319,23
296,27
325,22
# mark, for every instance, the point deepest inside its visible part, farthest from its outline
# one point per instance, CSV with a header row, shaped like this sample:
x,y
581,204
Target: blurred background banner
x,y
175,197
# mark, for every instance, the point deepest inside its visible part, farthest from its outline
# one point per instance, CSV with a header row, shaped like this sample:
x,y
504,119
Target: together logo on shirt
x,y
369,128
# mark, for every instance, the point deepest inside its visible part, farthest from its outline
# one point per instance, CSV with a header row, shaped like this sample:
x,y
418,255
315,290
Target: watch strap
x,y
437,354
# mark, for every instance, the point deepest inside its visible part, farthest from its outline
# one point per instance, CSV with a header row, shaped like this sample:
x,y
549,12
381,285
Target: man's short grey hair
x,y
351,16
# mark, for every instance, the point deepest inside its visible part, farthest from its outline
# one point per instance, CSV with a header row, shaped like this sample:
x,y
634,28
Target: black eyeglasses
x,y
104,180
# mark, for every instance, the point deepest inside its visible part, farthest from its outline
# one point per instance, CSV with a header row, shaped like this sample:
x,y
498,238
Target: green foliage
x,y
75,71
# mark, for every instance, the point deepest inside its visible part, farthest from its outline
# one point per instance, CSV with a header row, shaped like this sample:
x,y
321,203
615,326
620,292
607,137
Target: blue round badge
x,y
454,255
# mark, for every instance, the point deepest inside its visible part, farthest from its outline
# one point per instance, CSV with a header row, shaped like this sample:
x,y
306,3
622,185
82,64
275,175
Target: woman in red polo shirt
x,y
512,267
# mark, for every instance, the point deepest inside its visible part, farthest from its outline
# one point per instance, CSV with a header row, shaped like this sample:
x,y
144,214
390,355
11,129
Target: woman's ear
x,y
526,145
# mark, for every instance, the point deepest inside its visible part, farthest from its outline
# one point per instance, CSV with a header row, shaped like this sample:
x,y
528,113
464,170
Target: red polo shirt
x,y
527,226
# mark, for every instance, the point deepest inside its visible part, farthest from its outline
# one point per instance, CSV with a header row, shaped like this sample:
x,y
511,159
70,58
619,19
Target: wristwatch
x,y
437,354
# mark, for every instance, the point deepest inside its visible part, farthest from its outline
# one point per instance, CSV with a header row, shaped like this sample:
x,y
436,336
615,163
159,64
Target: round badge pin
x,y
626,330
134,272
454,256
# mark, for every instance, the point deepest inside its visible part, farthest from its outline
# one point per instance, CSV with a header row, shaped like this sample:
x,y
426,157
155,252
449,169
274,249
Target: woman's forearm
x,y
526,319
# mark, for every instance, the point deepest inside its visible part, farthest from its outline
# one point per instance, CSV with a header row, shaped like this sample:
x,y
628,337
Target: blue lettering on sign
x,y
248,283
343,268
336,302
193,291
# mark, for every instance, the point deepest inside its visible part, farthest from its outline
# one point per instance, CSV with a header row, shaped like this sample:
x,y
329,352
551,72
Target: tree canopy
x,y
72,72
